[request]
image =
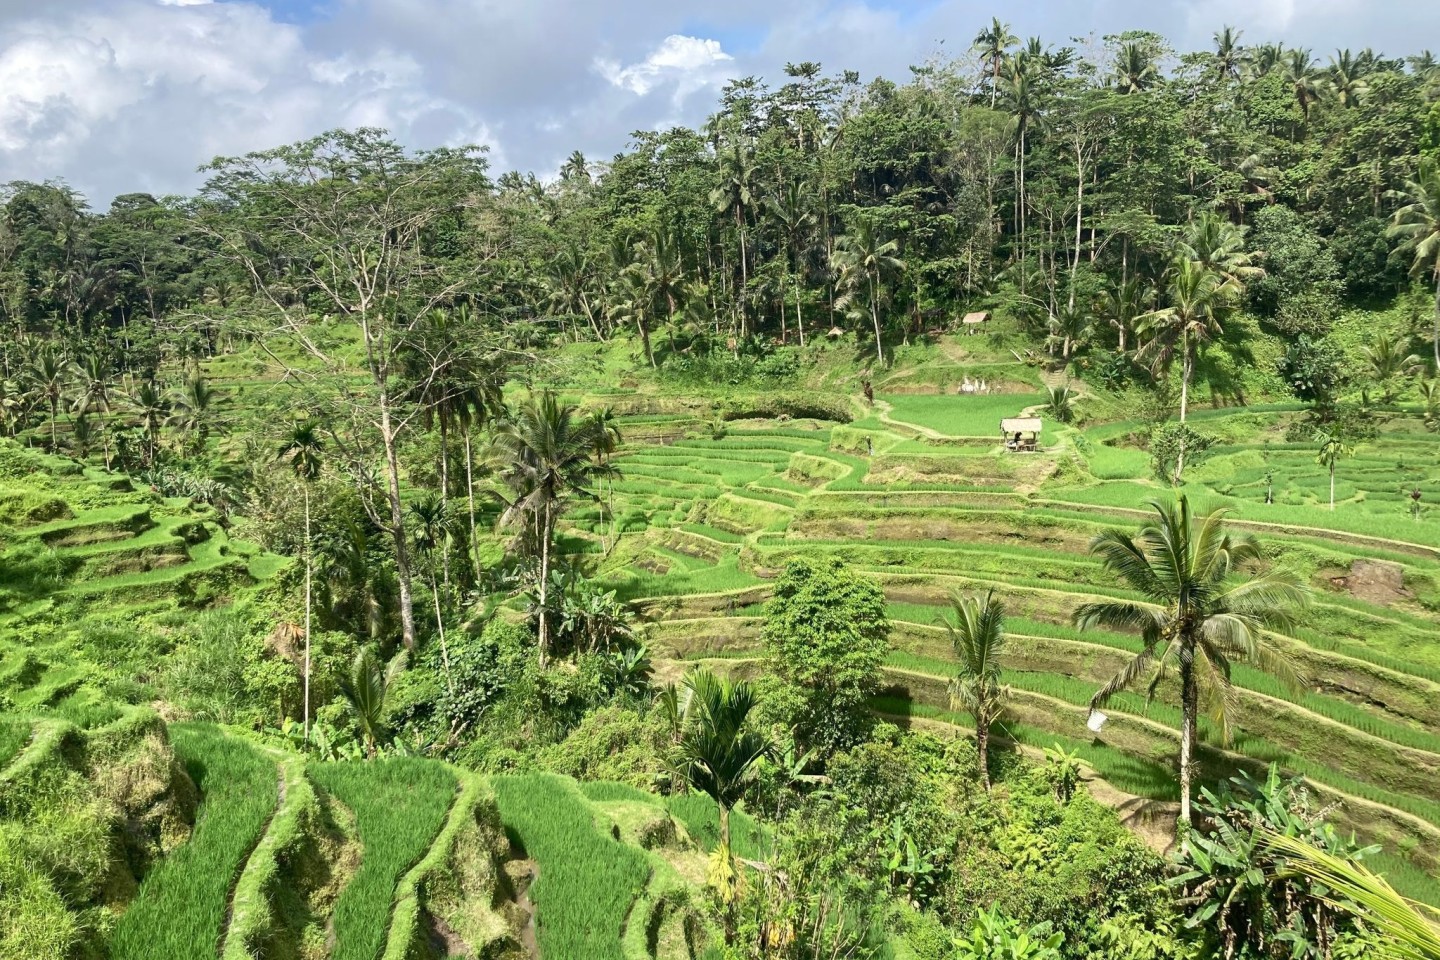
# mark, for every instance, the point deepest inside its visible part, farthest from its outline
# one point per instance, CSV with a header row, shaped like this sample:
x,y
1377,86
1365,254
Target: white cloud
x,y
687,63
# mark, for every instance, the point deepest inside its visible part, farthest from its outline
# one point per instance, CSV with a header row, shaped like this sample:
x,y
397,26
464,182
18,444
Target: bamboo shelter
x,y
1021,434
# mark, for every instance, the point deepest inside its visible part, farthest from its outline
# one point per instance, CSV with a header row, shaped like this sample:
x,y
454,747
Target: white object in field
x,y
1096,721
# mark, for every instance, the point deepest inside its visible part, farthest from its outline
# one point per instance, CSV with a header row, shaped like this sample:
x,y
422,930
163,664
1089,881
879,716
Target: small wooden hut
x,y
975,322
1021,434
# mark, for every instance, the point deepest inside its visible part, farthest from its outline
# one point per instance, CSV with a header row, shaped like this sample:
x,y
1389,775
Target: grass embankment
x,y
588,880
181,905
399,806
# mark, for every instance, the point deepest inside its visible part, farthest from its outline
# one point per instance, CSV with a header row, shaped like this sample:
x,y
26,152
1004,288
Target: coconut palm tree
x,y
993,43
735,195
302,447
1306,86
1388,361
1347,78
1217,244
366,687
1333,449
791,209
977,633
91,376
190,413
432,538
721,751
863,257
48,374
545,454
605,440
1229,54
150,404
1134,70
1123,303
1201,612
1417,226
1200,297
662,268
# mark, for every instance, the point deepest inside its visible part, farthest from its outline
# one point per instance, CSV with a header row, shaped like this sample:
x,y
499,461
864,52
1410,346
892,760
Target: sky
x,y
117,96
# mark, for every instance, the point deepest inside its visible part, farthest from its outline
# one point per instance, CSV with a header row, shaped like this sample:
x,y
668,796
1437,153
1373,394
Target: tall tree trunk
x,y
1332,482
1185,365
440,631
309,573
744,270
800,317
1435,335
1189,705
397,521
982,748
545,533
875,318
470,498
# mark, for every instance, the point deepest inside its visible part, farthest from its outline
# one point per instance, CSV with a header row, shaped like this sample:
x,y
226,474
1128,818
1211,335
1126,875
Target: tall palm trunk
x,y
309,574
545,534
1186,365
1435,331
800,318
744,268
470,497
1189,705
397,522
1332,482
440,632
982,748
875,318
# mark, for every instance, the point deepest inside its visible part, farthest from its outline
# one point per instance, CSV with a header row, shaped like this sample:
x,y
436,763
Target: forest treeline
x,y
1061,176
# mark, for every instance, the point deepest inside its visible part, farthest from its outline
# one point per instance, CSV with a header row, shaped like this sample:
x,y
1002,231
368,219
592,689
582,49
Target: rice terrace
x,y
990,515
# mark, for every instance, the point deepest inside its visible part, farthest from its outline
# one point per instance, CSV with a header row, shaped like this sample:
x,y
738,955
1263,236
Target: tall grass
x,y
399,806
587,879
181,905
14,734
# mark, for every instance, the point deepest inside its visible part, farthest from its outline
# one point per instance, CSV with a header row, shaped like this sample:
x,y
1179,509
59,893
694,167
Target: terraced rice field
x,y
715,517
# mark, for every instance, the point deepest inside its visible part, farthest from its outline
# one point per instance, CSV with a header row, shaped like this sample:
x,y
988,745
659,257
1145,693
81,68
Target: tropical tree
x,y
1347,78
1123,303
993,43
91,376
1218,245
367,687
735,195
1060,403
720,752
545,454
1417,226
149,403
1411,931
432,540
1334,447
791,210
864,257
1229,54
1306,86
1201,612
1134,70
48,374
303,447
1200,297
977,634
190,412
1389,360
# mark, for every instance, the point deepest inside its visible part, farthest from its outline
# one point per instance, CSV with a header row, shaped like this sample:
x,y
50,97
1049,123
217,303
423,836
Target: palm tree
x,y
720,751
48,374
1134,70
1123,303
302,447
92,390
1411,930
1347,78
1217,244
546,456
1069,327
635,300
149,402
1305,85
862,254
432,536
663,270
605,440
366,688
1200,297
1333,448
1201,612
790,208
1388,360
1417,226
977,634
735,195
1229,54
190,412
992,43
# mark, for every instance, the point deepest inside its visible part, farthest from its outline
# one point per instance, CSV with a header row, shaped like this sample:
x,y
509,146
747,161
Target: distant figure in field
x,y
869,447
869,391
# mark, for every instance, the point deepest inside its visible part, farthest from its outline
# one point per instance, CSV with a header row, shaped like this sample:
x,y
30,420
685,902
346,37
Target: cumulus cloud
x,y
121,95
686,63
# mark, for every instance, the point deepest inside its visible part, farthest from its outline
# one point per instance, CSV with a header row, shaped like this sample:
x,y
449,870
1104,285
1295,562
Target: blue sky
x,y
121,95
